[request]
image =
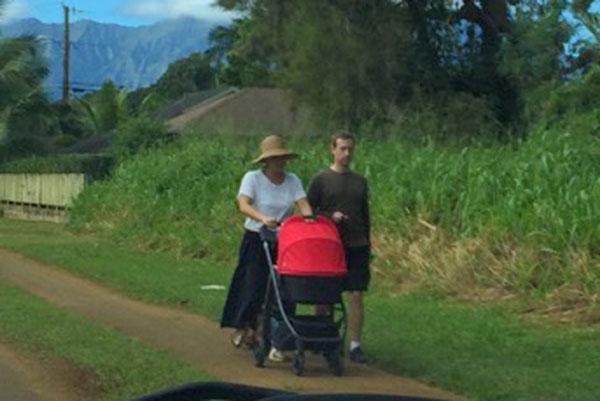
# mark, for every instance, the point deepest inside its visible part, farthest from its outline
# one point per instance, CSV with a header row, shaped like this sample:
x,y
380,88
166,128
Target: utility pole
x,y
66,49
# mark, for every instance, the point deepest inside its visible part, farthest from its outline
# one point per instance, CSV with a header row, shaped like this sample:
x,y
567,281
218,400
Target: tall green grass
x,y
540,194
545,190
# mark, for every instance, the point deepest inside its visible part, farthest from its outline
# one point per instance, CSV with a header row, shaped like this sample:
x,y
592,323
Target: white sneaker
x,y
276,356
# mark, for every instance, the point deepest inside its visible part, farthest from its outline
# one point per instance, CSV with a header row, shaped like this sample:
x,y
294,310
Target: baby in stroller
x,y
310,270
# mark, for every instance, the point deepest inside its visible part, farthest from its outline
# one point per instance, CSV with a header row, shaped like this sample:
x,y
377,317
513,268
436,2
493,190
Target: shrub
x,y
448,116
22,146
94,166
580,96
137,134
64,140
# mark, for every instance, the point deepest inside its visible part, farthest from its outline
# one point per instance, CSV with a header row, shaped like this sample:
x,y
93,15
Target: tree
x,y
109,107
222,39
347,60
590,19
352,61
588,50
22,71
24,107
532,53
241,54
191,74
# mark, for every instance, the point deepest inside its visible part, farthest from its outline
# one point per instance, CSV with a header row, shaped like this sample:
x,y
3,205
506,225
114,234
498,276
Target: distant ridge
x,y
130,56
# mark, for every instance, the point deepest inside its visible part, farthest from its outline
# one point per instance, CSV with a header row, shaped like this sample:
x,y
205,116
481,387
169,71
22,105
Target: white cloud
x,y
202,9
14,9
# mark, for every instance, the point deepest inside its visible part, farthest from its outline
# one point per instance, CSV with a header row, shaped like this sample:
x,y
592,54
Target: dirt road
x,y
23,378
192,338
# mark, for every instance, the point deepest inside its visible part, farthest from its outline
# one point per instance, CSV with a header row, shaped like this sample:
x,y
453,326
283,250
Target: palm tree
x,y
22,71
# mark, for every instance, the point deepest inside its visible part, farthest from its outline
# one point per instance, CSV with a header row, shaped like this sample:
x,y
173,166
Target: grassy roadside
x,y
151,277
483,353
119,367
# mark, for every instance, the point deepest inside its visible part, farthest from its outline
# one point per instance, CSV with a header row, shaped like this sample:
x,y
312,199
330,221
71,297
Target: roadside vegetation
x,y
116,366
482,352
518,221
94,166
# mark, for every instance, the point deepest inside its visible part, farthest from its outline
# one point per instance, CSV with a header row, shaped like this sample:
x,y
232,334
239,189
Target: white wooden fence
x,y
39,196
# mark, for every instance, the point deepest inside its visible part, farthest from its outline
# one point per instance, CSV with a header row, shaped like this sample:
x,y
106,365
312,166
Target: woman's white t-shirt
x,y
268,198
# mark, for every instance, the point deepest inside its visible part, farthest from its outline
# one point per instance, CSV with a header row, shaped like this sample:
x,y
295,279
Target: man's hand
x,y
269,222
309,218
338,217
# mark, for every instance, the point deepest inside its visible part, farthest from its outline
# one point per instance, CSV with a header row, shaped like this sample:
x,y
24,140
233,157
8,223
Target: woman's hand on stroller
x,y
270,222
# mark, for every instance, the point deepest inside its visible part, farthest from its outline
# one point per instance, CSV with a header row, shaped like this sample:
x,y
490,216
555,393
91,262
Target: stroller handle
x,y
268,235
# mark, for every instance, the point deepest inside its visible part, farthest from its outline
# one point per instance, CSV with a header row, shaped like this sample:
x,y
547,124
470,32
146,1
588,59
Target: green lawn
x,y
484,353
121,368
152,277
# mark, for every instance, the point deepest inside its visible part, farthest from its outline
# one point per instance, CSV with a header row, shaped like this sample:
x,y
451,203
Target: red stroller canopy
x,y
310,248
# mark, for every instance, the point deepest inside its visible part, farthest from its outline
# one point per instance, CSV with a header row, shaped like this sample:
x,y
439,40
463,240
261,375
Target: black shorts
x,y
359,273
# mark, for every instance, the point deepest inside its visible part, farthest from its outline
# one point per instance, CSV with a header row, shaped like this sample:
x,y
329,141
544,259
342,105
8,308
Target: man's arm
x,y
314,194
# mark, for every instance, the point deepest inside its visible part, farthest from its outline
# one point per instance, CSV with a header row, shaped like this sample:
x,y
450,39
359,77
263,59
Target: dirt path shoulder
x,y
23,378
192,338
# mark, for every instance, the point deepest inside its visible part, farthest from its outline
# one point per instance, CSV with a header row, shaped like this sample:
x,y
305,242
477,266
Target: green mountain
x,y
129,56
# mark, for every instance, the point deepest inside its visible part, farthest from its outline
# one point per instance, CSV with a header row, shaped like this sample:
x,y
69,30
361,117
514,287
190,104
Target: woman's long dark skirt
x,y
248,285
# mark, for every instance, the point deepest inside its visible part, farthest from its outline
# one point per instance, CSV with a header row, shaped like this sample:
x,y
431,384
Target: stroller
x,y
310,270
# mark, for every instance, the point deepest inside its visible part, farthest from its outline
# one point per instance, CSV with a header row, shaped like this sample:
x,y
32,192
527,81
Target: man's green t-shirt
x,y
348,193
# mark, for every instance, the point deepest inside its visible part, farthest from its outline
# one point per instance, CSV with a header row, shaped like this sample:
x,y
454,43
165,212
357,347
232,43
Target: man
x,y
343,195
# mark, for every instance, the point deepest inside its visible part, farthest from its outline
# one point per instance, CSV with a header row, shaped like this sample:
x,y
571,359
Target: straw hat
x,y
273,146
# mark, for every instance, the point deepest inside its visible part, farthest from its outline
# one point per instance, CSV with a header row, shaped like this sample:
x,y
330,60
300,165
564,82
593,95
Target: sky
x,y
123,12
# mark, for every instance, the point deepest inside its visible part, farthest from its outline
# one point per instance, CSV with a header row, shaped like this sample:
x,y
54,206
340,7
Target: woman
x,y
266,197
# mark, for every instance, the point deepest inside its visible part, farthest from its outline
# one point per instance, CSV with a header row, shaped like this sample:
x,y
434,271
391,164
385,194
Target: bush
x,y
64,140
76,118
22,146
179,198
138,134
447,116
576,97
94,166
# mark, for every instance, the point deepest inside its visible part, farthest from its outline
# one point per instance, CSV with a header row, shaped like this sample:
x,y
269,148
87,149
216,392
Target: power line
x,y
87,85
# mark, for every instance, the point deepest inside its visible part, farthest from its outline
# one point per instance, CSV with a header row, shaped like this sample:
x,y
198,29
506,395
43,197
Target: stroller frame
x,y
334,345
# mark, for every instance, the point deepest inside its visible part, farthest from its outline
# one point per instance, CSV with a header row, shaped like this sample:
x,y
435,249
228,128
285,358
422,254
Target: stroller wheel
x,y
298,363
334,361
336,365
260,353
